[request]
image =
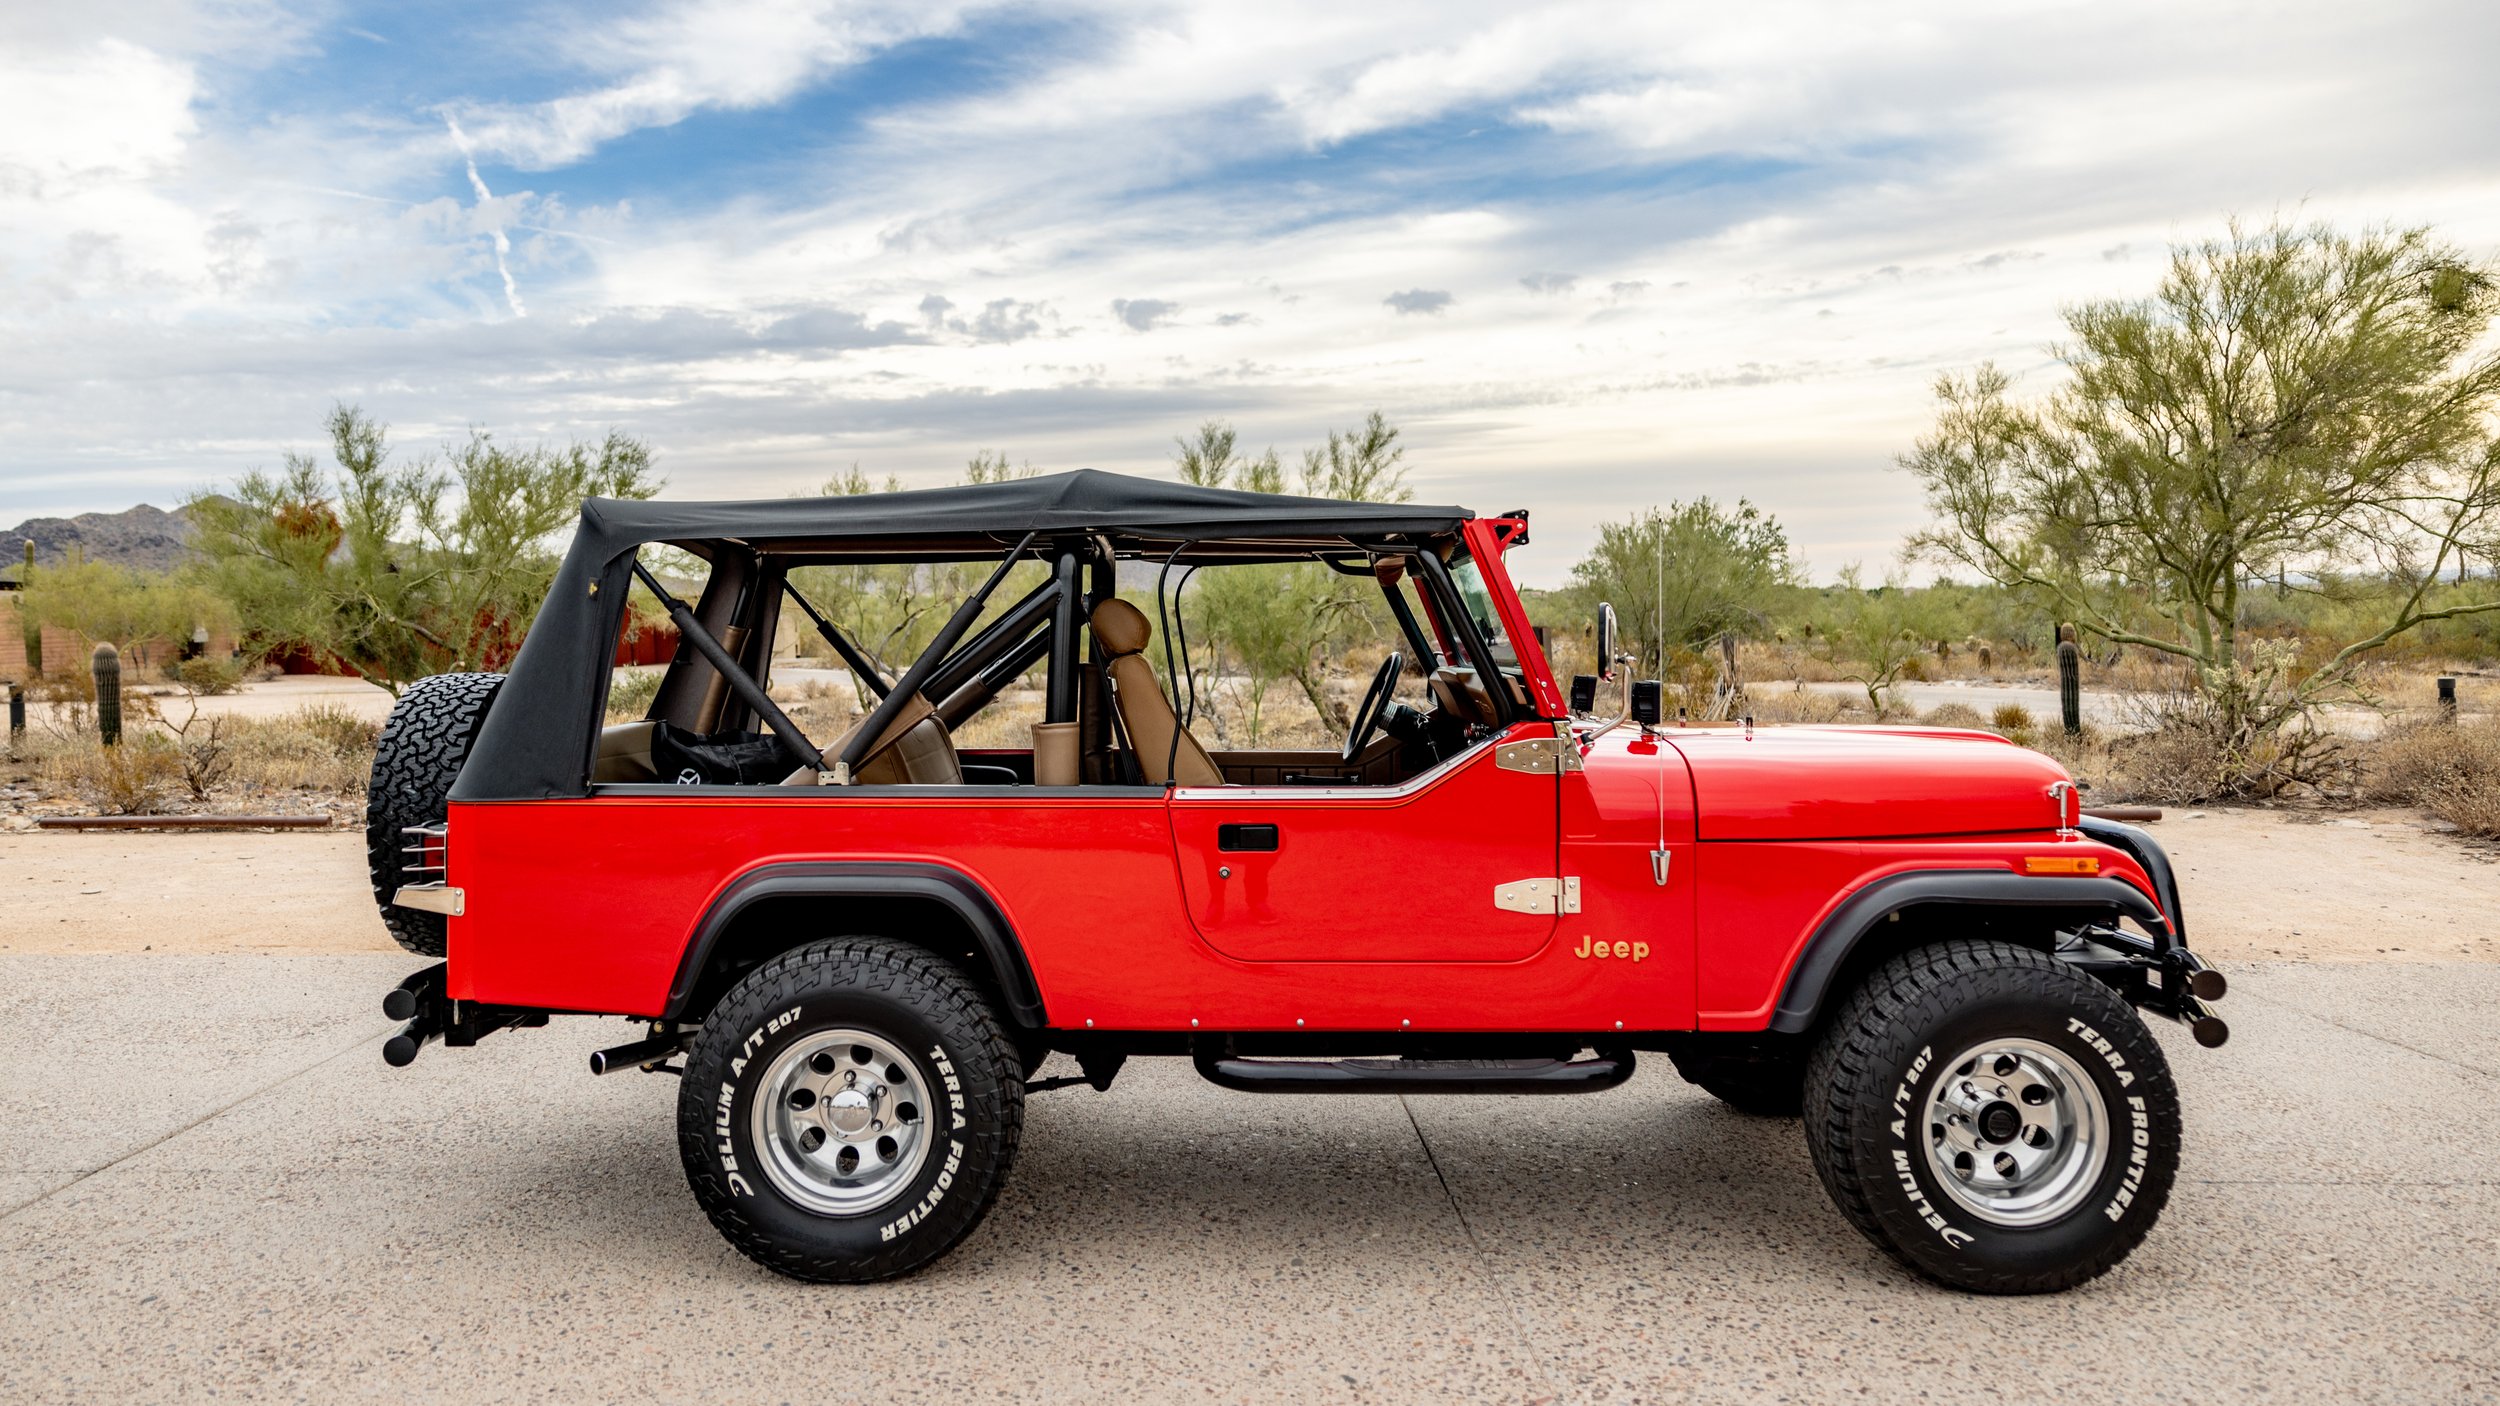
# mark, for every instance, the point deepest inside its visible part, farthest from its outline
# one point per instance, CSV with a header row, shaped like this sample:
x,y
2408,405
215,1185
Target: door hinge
x,y
1544,756
1538,896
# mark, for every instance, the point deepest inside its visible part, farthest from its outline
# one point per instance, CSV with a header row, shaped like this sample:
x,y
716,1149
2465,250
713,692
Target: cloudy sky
x,y
1589,256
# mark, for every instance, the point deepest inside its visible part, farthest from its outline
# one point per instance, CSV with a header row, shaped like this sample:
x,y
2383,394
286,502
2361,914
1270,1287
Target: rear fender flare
x,y
1816,974
957,892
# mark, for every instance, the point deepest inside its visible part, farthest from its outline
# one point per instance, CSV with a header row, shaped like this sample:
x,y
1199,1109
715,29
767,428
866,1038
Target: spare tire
x,y
419,756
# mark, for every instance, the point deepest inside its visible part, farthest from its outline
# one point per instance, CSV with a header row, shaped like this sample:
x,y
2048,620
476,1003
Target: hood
x,y
1823,783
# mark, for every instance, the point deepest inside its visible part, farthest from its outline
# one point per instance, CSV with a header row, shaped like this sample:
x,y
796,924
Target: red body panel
x,y
1364,874
1376,911
1817,783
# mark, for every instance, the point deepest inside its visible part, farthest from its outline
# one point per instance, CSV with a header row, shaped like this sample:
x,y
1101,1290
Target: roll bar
x,y
740,681
915,677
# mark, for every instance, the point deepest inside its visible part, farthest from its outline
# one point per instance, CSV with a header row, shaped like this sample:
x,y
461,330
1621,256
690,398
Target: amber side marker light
x,y
2061,864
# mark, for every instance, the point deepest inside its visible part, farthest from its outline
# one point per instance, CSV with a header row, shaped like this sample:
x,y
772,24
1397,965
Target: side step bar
x,y
1417,1076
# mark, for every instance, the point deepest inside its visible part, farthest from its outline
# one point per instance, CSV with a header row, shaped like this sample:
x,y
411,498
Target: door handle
x,y
1245,838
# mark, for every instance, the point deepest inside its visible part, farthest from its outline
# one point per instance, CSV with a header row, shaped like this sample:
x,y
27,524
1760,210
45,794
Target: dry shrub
x,y
1960,715
1802,705
2188,748
350,736
2451,770
631,689
2015,724
2091,757
323,749
207,675
131,779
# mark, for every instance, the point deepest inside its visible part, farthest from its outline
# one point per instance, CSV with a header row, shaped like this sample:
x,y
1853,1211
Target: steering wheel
x,y
1375,703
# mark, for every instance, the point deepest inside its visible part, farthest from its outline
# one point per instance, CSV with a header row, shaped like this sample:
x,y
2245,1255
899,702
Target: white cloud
x,y
1779,222
675,60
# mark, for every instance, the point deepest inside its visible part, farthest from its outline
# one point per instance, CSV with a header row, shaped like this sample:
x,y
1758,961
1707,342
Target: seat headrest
x,y
1121,627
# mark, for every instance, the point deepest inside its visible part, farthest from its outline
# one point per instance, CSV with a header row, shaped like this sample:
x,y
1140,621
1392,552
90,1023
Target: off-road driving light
x,y
2061,864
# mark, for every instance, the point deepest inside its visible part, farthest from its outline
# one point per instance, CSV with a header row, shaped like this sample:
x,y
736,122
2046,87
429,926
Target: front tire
x,y
1996,1119
849,1111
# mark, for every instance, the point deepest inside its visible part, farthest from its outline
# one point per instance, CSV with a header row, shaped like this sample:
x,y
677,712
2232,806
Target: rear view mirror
x,y
1605,640
1649,702
1584,693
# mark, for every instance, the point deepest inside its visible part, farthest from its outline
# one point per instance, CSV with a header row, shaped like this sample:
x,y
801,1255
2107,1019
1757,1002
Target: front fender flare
x,y
950,888
1827,952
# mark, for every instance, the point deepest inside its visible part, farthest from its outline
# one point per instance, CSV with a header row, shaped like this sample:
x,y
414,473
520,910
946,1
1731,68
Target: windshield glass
x,y
1479,602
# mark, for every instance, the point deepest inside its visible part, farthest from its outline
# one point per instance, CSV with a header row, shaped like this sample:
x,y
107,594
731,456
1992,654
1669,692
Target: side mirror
x,y
1605,640
1584,693
1649,703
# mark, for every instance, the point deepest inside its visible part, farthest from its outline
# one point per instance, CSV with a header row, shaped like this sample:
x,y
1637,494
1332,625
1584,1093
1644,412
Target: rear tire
x,y
1996,1119
415,762
849,1111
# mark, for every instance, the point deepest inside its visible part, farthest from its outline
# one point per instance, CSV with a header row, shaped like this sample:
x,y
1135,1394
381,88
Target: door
x,y
1387,874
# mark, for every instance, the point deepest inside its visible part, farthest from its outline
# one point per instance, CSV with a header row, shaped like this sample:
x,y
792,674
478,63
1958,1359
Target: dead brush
x,y
130,779
2451,770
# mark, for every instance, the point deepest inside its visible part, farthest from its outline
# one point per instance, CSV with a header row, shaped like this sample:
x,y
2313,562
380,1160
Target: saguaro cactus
x,y
108,693
2069,680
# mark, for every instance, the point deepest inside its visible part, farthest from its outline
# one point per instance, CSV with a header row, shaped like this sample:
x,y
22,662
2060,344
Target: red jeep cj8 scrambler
x,y
863,947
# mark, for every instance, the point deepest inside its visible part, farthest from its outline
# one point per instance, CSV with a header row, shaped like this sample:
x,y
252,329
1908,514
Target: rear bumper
x,y
432,1015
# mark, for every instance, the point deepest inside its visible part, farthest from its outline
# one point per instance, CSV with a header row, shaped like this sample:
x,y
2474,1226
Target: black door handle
x,y
1239,838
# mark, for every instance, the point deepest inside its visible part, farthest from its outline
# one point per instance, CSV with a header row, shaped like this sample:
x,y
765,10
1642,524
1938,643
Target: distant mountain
x,y
144,537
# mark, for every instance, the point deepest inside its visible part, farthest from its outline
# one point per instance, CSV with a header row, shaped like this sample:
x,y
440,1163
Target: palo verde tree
x,y
890,611
403,570
1262,624
2295,408
149,615
1681,575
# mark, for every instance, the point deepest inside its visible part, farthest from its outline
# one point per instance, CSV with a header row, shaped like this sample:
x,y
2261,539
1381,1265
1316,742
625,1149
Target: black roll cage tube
x,y
909,685
740,681
852,659
1172,757
963,665
1480,654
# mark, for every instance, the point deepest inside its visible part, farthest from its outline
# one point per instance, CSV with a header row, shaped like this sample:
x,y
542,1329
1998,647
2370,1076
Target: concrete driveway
x,y
210,1185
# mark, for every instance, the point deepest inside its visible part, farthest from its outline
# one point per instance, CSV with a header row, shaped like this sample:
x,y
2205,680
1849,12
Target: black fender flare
x,y
950,888
1826,953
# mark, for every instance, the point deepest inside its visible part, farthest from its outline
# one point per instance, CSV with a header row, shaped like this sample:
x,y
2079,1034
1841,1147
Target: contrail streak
x,y
503,244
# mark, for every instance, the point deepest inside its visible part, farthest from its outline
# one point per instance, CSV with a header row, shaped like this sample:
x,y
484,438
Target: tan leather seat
x,y
1462,695
914,750
1121,629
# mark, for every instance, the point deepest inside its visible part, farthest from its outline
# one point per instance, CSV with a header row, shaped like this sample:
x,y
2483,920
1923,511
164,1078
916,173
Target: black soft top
x,y
1136,513
537,740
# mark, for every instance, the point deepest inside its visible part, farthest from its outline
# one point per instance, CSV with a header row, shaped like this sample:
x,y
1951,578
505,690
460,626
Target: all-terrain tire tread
x,y
415,762
912,976
1913,987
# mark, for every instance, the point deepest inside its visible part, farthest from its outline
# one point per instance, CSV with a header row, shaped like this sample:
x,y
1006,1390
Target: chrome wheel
x,y
843,1122
2017,1132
